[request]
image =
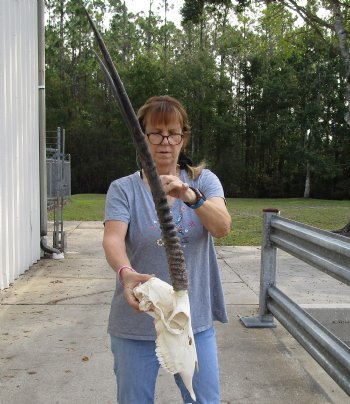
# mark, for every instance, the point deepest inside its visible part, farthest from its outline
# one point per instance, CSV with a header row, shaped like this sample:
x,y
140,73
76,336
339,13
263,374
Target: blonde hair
x,y
164,109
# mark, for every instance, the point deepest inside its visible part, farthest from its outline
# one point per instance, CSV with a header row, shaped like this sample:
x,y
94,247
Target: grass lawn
x,y
84,207
246,214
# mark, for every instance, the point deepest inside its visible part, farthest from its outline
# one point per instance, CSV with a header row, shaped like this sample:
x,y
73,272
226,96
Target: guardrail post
x,y
267,276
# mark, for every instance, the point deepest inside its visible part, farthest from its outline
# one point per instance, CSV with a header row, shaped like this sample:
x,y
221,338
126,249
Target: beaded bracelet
x,y
119,271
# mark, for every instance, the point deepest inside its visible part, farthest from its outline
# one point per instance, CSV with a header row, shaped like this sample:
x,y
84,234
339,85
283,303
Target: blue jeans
x,y
136,368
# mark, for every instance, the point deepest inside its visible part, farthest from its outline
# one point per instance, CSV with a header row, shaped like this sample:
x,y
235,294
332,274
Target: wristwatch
x,y
200,198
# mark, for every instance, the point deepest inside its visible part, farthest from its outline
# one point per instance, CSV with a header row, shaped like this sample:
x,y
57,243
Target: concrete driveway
x,y
54,347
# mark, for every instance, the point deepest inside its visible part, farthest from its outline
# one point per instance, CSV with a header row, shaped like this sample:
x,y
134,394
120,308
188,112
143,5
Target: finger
x,y
143,277
165,179
171,186
131,299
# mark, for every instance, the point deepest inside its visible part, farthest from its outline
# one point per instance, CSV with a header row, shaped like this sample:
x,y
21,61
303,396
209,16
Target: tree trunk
x,y
307,181
165,49
344,49
149,35
314,21
125,39
61,40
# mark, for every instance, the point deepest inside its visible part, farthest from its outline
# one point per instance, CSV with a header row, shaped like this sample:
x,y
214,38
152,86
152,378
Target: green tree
x,y
265,94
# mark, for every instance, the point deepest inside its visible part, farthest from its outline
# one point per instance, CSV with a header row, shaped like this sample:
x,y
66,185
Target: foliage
x,y
264,92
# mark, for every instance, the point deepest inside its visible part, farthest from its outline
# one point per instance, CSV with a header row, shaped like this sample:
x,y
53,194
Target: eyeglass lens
x,y
157,138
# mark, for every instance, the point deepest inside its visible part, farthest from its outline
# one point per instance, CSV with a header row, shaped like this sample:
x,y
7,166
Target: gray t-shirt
x,y
130,201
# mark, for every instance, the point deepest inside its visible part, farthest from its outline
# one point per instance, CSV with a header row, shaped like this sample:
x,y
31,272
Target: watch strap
x,y
200,199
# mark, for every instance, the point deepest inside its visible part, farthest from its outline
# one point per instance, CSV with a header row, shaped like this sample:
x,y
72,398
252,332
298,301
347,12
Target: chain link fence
x,y
58,169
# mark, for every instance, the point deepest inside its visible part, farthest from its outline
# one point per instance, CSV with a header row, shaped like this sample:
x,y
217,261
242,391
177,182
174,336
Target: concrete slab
x,y
300,281
239,293
55,354
47,291
226,272
257,368
54,347
77,267
91,225
336,319
85,243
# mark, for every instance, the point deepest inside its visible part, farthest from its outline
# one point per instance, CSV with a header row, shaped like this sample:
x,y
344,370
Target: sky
x,y
175,6
173,14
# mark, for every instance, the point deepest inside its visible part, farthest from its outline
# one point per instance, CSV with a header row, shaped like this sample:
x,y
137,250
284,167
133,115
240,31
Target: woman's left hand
x,y
174,187
213,213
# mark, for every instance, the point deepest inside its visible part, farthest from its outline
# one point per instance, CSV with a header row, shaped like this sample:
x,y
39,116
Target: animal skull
x,y
175,346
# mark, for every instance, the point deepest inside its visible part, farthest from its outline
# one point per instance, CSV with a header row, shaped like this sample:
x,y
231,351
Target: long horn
x,y
174,253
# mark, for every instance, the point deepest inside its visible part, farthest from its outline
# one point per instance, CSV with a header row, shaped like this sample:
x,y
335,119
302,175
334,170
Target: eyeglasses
x,y
157,138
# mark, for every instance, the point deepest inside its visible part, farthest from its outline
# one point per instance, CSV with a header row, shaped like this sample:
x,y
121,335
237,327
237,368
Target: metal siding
x,y
19,134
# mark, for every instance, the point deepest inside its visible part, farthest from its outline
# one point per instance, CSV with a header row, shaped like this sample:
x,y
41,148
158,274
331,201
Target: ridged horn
x,y
174,253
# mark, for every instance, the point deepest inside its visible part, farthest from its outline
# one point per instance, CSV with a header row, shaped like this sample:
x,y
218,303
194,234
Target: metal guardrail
x,y
323,250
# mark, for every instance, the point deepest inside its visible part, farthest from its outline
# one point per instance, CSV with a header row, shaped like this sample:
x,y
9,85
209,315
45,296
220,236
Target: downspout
x,y
42,133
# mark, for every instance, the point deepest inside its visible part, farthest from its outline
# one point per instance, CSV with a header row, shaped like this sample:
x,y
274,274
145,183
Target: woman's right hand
x,y
130,281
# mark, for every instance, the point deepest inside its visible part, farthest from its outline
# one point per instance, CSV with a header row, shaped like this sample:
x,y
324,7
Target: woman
x,y
134,249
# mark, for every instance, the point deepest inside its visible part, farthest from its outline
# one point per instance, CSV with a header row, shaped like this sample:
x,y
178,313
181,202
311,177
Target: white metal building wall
x,y
19,139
